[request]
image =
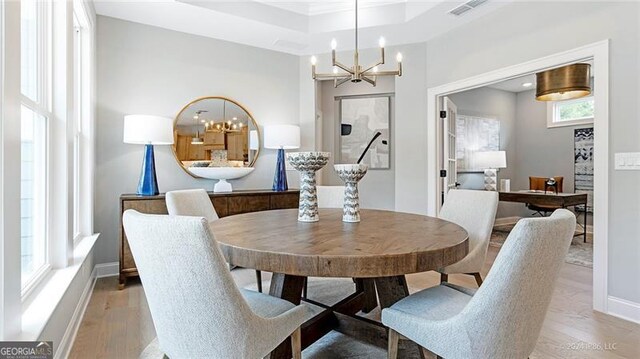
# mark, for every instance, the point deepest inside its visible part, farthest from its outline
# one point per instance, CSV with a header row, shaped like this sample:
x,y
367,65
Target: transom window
x,y
571,112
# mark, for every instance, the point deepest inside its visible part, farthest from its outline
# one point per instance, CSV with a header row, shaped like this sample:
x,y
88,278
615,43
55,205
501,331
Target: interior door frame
x,y
599,52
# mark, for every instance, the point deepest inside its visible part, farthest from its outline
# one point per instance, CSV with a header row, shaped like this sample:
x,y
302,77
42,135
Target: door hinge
x,y
443,114
443,173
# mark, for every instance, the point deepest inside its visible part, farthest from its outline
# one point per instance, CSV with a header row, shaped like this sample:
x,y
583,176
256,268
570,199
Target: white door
x,y
448,171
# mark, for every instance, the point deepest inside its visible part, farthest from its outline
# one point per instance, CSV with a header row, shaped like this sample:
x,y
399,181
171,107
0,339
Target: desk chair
x,y
540,184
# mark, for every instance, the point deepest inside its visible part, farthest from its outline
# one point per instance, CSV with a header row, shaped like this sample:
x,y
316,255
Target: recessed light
x,y
527,84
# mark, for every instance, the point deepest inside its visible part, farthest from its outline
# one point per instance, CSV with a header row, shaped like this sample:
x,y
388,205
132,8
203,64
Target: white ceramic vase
x,y
307,163
351,174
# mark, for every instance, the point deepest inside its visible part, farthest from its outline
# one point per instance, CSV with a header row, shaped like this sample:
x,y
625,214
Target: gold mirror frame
x,y
175,124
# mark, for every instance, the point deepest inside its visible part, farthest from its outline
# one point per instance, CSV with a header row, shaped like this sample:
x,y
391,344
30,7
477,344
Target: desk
x,y
377,253
562,200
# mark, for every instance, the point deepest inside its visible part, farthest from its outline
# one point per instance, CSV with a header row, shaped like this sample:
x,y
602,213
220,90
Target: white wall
x,y
524,31
377,187
148,70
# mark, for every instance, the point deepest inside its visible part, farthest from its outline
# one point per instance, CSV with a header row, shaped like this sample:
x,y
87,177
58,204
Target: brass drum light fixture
x,y
355,73
564,83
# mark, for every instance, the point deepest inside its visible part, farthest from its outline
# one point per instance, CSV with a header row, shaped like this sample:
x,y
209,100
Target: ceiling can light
x,y
355,73
527,84
564,83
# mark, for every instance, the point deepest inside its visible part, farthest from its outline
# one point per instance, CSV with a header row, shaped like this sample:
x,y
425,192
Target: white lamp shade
x,y
148,129
491,159
254,141
282,136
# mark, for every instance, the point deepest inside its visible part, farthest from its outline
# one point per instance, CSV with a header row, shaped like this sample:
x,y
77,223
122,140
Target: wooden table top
x,y
384,243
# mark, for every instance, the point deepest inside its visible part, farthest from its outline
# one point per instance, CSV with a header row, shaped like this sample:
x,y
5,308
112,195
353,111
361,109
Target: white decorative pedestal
x,y
351,174
307,163
222,174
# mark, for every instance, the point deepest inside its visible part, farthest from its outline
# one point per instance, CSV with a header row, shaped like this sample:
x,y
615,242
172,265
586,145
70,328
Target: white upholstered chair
x,y
475,211
196,203
504,317
330,196
196,307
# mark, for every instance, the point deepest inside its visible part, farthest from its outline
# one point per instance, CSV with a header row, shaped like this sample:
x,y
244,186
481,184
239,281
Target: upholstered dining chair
x,y
475,211
504,317
196,307
330,196
196,203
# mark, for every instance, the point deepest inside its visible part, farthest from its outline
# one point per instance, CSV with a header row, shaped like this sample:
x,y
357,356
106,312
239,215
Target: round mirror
x,y
215,132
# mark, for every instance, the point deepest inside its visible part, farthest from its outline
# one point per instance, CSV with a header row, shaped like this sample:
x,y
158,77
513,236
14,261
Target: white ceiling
x,y
517,84
299,27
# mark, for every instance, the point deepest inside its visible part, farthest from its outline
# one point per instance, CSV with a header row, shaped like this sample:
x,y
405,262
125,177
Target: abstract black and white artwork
x,y
475,134
360,119
583,164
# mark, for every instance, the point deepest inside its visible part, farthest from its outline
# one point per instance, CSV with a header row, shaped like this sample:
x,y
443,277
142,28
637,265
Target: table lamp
x,y
490,161
281,137
148,130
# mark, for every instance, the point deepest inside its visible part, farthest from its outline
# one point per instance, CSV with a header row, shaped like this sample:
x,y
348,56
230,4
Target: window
x,y
35,114
571,112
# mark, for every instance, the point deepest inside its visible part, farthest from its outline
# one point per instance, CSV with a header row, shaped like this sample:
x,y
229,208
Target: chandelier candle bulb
x,y
381,42
334,44
399,57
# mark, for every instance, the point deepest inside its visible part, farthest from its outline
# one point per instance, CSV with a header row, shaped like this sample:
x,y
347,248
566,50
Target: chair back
x,y
191,202
330,196
193,299
475,211
540,184
504,317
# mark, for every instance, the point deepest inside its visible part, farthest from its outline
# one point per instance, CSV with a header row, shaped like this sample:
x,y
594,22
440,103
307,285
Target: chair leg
x,y
444,278
305,287
392,352
259,280
478,278
296,344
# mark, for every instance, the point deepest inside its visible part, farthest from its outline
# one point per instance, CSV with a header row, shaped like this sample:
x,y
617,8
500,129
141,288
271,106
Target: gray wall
x,y
500,104
521,32
148,70
377,187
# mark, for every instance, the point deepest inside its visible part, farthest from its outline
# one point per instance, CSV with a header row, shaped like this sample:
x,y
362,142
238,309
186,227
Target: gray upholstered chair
x,y
196,202
196,307
475,211
504,317
330,196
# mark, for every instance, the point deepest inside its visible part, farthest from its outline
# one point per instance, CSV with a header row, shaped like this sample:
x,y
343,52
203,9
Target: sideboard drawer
x,y
245,204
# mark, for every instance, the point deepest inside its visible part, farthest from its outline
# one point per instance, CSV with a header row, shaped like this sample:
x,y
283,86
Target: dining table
x,y
377,253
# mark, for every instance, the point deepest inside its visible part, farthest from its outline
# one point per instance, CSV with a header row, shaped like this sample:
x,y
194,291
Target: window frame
x,y
42,105
553,109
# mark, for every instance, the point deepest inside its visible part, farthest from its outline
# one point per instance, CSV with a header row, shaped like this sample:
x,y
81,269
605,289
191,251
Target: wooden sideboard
x,y
226,204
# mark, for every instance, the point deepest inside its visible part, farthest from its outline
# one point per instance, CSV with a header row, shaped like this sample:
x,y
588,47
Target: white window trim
x,y
552,113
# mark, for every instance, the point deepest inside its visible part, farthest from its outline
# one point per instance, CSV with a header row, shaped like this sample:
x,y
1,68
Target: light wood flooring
x,y
117,323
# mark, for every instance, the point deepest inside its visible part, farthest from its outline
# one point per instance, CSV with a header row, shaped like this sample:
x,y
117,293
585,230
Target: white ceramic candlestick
x,y
351,174
307,163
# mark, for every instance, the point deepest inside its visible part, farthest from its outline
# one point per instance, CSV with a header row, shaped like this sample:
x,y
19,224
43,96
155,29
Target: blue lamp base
x,y
280,177
148,185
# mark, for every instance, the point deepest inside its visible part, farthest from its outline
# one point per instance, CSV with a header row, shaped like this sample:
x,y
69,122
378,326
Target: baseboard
x,y
506,221
624,309
69,337
107,269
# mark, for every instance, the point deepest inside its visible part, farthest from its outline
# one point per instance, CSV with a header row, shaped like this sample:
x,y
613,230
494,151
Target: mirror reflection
x,y
215,132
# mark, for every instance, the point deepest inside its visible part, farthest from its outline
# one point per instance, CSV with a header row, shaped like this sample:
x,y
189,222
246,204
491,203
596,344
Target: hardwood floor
x,y
117,323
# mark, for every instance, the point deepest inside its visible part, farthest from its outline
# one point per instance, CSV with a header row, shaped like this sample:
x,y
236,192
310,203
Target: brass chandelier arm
x,y
341,66
369,80
331,76
337,82
381,62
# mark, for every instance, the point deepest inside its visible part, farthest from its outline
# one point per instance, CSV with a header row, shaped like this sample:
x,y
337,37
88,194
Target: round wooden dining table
x,y
377,253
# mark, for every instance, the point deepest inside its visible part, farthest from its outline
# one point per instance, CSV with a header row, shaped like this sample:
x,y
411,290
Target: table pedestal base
x,y
342,315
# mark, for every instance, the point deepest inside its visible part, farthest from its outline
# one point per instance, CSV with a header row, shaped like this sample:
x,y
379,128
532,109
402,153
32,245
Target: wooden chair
x,y
196,202
540,184
196,307
504,317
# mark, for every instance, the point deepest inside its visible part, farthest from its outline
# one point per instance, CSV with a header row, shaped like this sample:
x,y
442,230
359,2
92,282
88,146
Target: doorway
x,y
598,53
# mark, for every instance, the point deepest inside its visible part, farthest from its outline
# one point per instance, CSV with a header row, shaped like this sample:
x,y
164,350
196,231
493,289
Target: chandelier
x,y
342,73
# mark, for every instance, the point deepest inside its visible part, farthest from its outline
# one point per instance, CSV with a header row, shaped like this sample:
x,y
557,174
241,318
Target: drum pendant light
x,y
563,83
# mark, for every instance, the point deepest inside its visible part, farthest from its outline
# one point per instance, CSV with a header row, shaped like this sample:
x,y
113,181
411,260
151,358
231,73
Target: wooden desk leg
x,y
391,290
288,287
